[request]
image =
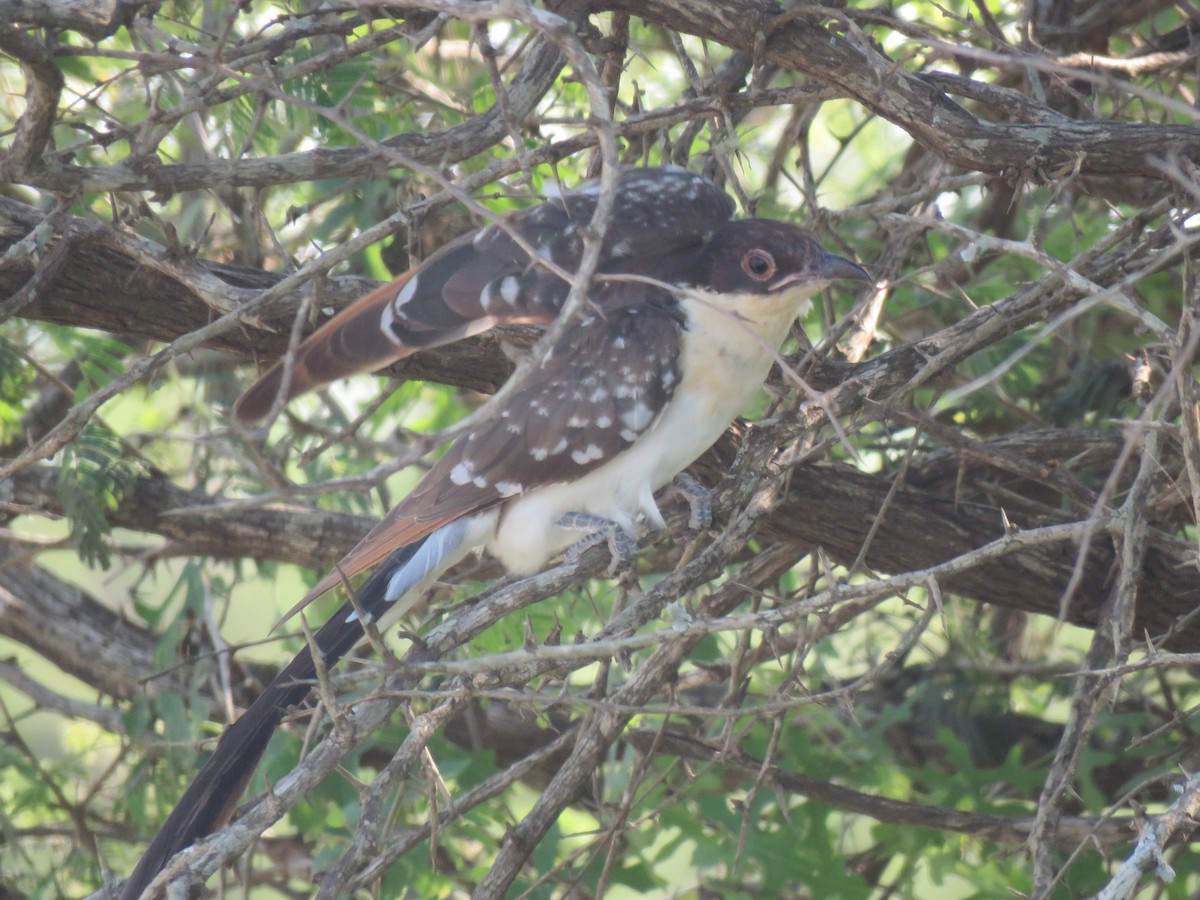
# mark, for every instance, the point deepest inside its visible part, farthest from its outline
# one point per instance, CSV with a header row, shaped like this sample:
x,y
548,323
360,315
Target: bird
x,y
685,316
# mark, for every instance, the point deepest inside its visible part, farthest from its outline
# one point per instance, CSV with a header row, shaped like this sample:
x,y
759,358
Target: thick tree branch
x,y
44,84
102,285
853,64
75,631
274,531
95,18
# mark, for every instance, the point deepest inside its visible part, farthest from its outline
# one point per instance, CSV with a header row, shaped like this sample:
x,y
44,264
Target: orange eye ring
x,y
759,265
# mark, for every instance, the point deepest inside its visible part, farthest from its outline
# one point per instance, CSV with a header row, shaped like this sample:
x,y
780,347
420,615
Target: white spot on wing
x,y
386,321
638,417
391,312
587,454
406,293
486,297
462,473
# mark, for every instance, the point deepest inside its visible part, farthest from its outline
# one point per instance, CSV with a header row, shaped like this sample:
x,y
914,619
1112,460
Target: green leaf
x,y
91,483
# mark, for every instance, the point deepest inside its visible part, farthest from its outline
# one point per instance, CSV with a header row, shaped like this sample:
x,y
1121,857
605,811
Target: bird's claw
x,y
621,544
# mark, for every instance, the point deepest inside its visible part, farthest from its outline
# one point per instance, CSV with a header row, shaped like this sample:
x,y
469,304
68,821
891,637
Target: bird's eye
x,y
758,264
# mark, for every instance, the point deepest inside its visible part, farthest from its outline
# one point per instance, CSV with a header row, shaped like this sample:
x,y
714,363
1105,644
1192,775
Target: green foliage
x,y
92,481
15,378
26,803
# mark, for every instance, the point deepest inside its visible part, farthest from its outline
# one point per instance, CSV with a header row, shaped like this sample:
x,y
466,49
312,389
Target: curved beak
x,y
831,266
825,268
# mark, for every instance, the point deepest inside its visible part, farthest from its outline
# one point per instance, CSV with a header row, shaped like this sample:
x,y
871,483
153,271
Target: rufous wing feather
x,y
350,342
464,289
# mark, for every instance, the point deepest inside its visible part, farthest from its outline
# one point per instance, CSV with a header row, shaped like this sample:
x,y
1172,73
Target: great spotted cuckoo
x,y
684,316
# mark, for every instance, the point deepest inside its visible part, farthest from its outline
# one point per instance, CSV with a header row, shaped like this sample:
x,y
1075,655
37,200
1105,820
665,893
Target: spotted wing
x,y
487,278
605,383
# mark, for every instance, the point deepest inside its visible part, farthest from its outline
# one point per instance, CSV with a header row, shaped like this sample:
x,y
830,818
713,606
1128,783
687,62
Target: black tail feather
x,y
210,800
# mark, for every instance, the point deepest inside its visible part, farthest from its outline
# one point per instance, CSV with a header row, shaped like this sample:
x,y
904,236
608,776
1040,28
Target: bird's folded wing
x,y
581,409
488,278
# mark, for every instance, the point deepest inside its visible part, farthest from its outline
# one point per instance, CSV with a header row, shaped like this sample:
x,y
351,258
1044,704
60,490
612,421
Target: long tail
x,y
210,800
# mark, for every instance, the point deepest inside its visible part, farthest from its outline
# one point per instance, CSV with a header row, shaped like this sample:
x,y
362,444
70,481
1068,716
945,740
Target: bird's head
x,y
761,256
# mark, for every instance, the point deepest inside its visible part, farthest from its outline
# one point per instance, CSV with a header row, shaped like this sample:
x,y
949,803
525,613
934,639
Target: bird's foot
x,y
621,544
699,500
